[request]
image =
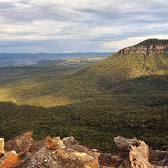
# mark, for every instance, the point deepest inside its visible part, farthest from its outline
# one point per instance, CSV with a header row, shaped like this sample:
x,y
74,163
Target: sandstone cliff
x,y
52,152
150,46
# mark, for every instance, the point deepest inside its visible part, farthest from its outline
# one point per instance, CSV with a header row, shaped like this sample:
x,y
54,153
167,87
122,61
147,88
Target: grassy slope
x,y
123,67
105,100
26,85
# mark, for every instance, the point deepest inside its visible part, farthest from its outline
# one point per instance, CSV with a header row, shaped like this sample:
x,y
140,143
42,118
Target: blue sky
x,y
79,25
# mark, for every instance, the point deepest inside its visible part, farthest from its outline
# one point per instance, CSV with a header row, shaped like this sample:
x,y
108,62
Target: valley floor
x,y
63,102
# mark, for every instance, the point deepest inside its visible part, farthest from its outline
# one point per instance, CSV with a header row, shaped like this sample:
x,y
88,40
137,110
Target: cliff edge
x,y
52,152
150,46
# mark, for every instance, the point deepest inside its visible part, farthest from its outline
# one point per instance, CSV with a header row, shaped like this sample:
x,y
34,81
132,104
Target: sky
x,y
79,25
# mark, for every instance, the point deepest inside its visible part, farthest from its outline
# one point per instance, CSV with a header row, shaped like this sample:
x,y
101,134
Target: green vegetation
x,y
123,95
150,42
123,67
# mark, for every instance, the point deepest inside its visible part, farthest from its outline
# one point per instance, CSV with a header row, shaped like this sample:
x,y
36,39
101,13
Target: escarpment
x,y
150,46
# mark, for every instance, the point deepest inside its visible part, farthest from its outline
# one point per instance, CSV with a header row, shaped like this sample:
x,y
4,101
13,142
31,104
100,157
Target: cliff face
x,y
150,46
52,152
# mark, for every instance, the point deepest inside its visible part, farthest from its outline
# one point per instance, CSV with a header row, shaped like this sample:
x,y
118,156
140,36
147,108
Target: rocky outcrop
x,y
150,46
1,146
139,156
136,154
52,152
10,159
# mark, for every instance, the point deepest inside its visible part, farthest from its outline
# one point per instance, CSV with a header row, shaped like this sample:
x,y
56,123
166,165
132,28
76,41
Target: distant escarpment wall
x,y
153,49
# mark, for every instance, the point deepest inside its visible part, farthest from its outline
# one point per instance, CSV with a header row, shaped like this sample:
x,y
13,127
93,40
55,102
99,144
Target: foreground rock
x,y
48,153
1,146
136,154
52,152
139,156
10,159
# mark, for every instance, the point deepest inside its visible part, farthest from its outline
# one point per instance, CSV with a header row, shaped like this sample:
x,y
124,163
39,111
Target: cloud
x,y
130,41
66,25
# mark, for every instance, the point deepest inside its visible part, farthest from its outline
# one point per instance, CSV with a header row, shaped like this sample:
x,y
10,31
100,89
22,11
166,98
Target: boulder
x,y
139,156
124,144
53,143
70,141
9,160
2,146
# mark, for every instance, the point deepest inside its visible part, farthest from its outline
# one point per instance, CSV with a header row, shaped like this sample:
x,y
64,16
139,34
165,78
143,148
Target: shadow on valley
x,y
124,95
131,108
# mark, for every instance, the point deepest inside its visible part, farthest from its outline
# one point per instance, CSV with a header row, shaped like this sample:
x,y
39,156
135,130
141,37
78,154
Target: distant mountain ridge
x,y
149,46
147,58
24,59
